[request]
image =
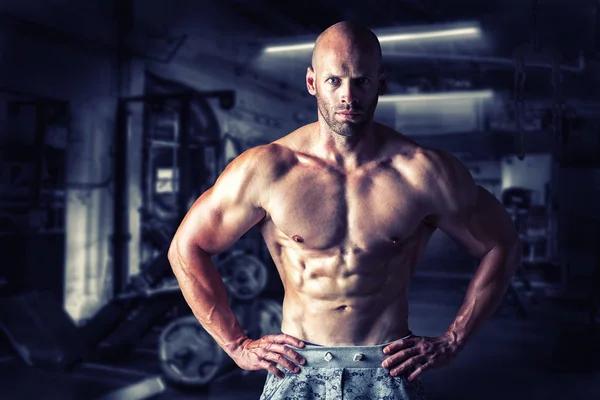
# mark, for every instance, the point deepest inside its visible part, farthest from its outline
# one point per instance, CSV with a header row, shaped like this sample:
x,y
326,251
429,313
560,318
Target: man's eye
x,y
332,80
363,81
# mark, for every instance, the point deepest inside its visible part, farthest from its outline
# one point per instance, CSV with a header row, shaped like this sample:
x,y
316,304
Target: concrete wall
x,y
66,67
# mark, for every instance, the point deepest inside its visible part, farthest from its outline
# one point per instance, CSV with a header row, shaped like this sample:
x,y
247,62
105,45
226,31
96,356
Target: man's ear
x,y
310,81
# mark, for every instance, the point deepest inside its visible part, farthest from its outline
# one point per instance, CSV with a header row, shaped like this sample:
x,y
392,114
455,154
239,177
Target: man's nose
x,y
348,94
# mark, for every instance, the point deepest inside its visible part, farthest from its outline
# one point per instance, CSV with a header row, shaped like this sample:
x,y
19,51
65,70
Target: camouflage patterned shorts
x,y
341,372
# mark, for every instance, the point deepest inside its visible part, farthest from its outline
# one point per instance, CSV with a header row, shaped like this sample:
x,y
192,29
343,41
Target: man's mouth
x,y
348,113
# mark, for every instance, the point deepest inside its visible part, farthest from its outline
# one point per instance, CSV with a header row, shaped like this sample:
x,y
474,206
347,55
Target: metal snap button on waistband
x,y
328,356
358,357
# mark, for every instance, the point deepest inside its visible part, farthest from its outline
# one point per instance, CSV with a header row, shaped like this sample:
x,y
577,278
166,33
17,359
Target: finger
x,y
281,360
287,339
406,367
417,372
287,351
400,357
264,364
400,345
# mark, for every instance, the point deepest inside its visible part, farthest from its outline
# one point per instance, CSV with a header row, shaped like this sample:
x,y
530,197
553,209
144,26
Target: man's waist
x,y
318,356
343,333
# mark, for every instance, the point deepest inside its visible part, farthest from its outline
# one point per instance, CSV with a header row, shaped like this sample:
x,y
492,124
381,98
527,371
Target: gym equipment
x,y
244,275
517,202
117,327
156,271
137,322
180,157
270,314
40,331
188,355
260,317
144,389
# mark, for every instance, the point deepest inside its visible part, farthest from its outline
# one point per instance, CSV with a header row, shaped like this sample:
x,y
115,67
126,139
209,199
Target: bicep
x,y
225,212
479,224
468,213
214,225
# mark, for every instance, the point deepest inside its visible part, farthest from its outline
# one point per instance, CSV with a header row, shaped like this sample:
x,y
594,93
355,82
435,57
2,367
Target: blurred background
x,y
116,115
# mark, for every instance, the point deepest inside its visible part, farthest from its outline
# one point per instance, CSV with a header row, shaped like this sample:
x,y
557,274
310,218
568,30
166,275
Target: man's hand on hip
x,y
267,352
413,355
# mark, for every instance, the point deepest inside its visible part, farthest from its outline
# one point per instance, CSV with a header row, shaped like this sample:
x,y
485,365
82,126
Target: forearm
x,y
485,292
204,291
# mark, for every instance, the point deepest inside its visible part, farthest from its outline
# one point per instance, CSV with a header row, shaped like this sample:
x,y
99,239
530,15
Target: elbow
x,y
178,253
184,255
507,256
174,255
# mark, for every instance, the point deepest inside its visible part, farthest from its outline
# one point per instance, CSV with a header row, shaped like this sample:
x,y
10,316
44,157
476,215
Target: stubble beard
x,y
345,128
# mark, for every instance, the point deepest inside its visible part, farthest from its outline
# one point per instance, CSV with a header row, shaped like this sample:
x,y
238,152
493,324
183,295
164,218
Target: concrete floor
x,y
546,356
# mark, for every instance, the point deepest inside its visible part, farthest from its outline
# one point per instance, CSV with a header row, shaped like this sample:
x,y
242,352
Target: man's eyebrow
x,y
358,76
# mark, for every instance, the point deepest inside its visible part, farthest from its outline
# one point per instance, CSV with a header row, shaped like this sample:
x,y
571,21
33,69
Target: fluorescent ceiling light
x,y
394,98
387,38
429,35
292,47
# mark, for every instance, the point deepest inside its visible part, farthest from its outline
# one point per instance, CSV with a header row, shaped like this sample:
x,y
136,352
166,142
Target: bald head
x,y
346,78
346,37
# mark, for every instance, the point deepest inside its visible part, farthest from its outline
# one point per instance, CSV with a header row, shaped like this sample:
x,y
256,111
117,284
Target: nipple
x,y
298,239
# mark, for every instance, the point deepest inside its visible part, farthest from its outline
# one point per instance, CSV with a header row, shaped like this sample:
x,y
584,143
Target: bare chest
x,y
322,209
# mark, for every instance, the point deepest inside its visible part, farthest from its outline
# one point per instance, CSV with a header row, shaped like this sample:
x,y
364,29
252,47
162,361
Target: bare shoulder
x,y
262,158
298,139
262,161
439,174
442,169
410,159
448,182
268,162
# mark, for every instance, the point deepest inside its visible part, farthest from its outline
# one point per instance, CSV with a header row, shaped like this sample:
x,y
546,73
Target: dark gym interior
x,y
116,115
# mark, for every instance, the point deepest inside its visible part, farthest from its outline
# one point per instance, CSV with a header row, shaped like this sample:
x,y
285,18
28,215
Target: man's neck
x,y
347,152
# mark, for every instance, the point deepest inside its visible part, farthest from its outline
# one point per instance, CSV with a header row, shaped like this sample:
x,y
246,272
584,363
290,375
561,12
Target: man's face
x,y
346,84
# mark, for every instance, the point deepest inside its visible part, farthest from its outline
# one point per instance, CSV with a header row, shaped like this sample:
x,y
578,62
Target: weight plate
x,y
270,316
188,355
244,275
267,316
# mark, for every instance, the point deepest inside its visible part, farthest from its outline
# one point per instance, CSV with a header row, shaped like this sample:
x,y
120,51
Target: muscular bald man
x,y
346,207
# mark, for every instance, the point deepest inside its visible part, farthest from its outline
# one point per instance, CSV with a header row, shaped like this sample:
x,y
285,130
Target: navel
x,y
298,239
394,240
385,163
